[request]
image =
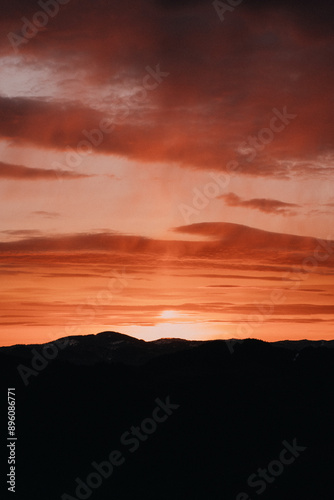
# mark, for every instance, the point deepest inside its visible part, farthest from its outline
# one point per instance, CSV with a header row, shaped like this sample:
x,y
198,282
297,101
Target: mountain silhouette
x,y
104,347
210,415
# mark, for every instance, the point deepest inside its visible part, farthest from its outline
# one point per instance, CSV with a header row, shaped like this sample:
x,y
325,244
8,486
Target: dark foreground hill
x,y
110,417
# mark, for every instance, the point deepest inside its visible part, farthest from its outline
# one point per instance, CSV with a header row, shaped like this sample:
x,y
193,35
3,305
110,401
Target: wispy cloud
x,y
263,204
21,173
22,233
217,242
46,214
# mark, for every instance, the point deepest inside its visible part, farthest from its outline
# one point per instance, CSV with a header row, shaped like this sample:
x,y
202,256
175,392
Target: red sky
x,y
166,171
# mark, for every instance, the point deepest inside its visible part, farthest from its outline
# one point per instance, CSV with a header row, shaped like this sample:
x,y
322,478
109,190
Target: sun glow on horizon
x,y
169,314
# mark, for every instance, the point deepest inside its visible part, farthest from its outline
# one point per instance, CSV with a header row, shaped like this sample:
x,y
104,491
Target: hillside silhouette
x,y
232,410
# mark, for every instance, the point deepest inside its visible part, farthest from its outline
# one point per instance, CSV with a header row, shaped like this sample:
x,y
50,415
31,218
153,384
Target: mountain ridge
x,y
109,346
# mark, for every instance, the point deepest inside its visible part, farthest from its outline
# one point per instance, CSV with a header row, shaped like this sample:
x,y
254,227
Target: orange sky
x,y
164,172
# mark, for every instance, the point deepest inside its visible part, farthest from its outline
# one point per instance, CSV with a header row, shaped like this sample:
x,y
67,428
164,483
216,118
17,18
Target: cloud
x,y
46,214
313,20
224,81
284,309
238,277
49,124
264,205
225,244
175,268
239,240
22,233
21,173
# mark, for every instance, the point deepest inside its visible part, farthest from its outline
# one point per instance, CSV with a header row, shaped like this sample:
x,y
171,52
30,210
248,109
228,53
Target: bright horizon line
x,y
207,339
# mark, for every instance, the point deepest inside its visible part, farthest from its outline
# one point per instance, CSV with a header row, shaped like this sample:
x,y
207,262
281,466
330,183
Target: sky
x,y
166,169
